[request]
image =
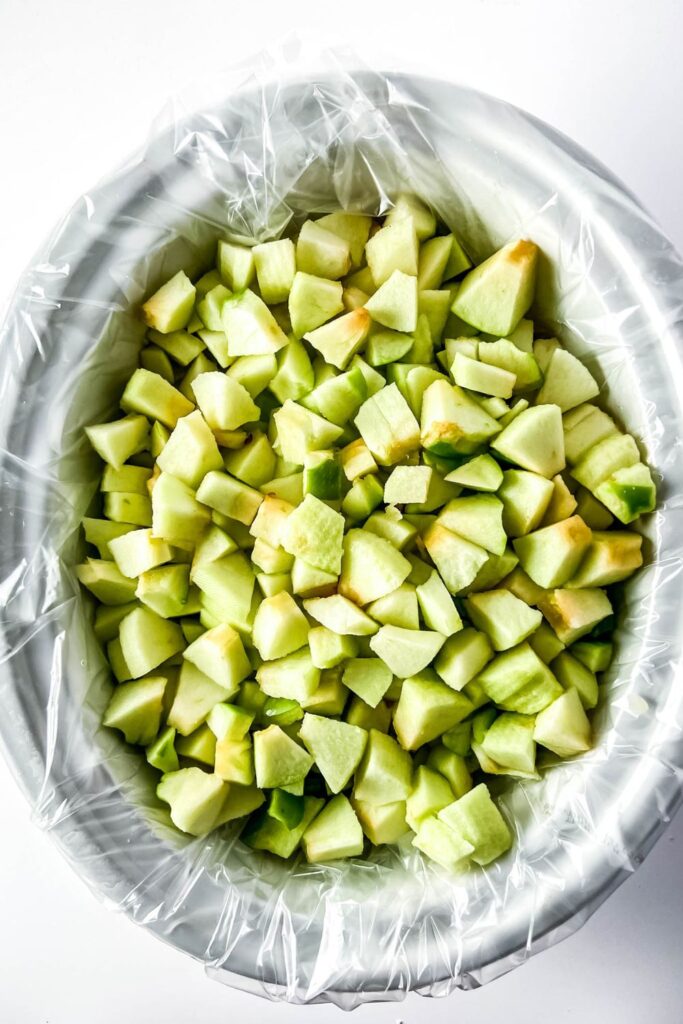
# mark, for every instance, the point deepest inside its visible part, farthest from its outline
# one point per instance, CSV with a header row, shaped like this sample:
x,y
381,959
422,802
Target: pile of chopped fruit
x,y
358,528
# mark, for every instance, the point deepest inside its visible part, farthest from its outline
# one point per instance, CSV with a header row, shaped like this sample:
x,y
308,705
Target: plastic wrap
x,y
269,143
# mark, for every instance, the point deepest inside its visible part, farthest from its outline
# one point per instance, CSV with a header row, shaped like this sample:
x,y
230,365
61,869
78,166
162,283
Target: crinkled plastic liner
x,y
270,143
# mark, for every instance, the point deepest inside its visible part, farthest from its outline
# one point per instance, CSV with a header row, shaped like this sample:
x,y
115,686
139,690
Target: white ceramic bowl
x,y
611,286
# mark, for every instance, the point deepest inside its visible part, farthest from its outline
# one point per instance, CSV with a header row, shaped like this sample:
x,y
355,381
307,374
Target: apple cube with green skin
x,y
573,613
336,747
426,709
400,608
526,497
509,741
308,581
357,460
338,340
482,377
340,615
478,519
457,560
250,326
265,832
534,440
429,794
593,513
442,844
293,676
566,382
387,426
364,495
170,308
368,678
628,492
452,766
300,431
255,463
234,761
314,532
602,460
563,726
229,584
106,582
278,760
166,590
387,346
191,451
562,503
147,640
225,404
573,674
161,754
505,356
394,304
452,423
594,654
229,722
371,567
294,377
200,746
149,394
482,473
406,651
135,709
407,484
210,307
545,643
181,346
361,714
280,627
611,557
585,427
323,476
384,774
338,398
230,497
128,508
236,265
108,619
99,532
321,252
177,516
495,295
517,680
115,442
329,697
552,555
137,551
492,573
437,607
394,527
195,697
275,269
334,833
393,249
219,654
195,797
382,823
505,619
286,808
476,818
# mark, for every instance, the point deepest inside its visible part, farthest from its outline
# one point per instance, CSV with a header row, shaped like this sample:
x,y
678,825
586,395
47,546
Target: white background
x,y
80,81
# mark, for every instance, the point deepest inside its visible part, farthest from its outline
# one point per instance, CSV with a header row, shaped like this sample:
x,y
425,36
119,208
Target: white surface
x,y
81,82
